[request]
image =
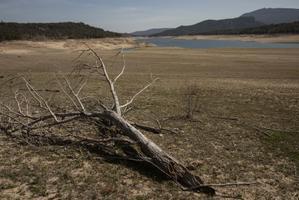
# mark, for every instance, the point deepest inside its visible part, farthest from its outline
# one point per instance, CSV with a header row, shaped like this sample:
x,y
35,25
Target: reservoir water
x,y
171,42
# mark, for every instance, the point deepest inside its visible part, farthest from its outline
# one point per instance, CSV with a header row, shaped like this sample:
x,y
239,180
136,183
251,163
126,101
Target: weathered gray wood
x,y
162,160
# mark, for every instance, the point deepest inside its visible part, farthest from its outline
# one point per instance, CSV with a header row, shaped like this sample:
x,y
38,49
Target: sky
x,y
132,15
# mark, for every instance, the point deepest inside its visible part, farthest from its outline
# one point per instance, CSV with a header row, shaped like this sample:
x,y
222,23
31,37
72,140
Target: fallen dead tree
x,y
31,113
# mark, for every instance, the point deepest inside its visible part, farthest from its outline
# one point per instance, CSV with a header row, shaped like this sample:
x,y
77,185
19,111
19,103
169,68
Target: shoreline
x,y
245,38
29,46
23,47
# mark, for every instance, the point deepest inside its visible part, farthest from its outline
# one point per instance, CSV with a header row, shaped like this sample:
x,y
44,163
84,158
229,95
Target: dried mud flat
x,y
27,47
246,128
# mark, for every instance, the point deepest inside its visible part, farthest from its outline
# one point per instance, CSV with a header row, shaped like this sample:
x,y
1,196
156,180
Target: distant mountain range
x,y
274,15
258,18
213,25
284,28
63,30
150,32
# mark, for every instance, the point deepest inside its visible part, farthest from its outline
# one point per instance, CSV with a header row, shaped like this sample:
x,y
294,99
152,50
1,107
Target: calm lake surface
x,y
170,42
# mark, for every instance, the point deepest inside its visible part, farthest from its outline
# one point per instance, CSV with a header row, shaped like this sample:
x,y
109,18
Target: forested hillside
x,y
285,28
38,31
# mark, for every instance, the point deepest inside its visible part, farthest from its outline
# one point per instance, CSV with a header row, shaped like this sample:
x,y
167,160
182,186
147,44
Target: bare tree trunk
x,y
163,161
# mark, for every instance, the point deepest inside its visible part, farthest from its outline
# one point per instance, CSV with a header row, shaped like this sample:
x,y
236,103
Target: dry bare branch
x,y
67,94
138,93
123,69
40,99
225,185
108,79
76,94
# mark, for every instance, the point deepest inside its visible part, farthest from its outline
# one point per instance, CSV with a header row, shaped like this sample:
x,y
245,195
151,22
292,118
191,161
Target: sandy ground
x,y
256,38
26,47
258,87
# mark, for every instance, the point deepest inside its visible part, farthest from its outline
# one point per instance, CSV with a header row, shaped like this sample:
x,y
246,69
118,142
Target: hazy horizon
x,y
131,15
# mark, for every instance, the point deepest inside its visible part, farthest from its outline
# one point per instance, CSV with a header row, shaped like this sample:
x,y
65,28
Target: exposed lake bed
x,y
258,87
